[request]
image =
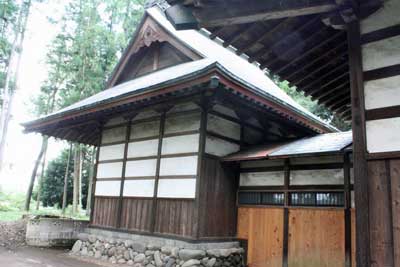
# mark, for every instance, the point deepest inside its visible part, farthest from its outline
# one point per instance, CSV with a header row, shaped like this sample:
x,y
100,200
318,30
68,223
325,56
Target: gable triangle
x,y
152,48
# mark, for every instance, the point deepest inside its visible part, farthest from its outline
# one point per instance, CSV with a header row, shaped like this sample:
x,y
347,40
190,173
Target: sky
x,y
22,149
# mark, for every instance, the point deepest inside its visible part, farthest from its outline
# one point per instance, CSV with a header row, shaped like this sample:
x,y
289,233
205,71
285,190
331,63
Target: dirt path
x,y
36,257
15,253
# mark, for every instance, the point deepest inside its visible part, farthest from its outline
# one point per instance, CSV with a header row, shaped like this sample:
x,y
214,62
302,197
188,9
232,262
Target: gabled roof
x,y
216,57
330,143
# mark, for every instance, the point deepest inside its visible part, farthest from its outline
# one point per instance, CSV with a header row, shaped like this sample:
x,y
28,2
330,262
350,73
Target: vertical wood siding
x,y
136,214
105,211
218,188
316,238
175,216
263,228
384,185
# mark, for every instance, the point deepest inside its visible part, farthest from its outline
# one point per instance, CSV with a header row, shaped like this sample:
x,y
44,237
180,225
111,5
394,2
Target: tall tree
x,y
11,74
93,35
66,175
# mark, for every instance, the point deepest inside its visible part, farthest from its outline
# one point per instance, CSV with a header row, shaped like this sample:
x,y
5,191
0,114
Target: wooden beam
x,y
235,35
220,13
330,39
293,32
315,82
340,50
263,36
331,93
359,146
302,44
323,86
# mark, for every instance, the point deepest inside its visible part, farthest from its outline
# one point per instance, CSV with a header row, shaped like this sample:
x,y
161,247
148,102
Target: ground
x,y
15,253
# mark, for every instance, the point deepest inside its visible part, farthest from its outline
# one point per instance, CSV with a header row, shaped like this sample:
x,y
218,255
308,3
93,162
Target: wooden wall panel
x,y
105,211
136,214
395,184
381,231
175,217
217,200
353,237
316,238
263,228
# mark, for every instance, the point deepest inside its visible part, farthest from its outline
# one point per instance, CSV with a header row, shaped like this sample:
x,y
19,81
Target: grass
x,y
12,208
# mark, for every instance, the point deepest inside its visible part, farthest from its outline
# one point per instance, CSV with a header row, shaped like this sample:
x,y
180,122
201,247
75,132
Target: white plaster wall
x,y
261,163
177,188
383,135
383,18
226,111
382,53
143,148
315,177
382,93
218,147
180,123
223,127
139,168
179,166
113,135
262,178
111,152
109,170
108,188
115,121
139,188
145,129
180,144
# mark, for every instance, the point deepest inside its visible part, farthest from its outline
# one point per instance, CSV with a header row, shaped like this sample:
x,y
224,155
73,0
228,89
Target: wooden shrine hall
x,y
197,143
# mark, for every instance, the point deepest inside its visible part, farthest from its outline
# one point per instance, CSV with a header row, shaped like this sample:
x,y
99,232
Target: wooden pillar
x,y
121,193
94,180
201,151
347,210
359,145
285,254
157,177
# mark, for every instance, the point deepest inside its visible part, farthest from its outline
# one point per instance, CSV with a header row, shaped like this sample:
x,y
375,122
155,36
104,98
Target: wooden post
x,y
347,209
121,192
285,254
201,151
359,145
95,178
160,140
64,202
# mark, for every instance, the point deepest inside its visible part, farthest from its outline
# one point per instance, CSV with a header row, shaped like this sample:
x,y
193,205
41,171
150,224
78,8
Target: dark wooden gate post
x,y
359,145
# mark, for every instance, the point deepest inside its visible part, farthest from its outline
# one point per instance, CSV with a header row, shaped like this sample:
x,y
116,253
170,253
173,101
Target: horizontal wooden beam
x,y
220,13
382,113
382,73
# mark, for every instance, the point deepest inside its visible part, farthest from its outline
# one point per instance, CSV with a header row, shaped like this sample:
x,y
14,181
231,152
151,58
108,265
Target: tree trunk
x,y
40,181
8,93
90,182
34,173
75,199
64,202
80,178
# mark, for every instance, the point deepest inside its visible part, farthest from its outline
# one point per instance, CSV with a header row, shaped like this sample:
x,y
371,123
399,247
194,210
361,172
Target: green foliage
x,y
53,179
314,107
11,201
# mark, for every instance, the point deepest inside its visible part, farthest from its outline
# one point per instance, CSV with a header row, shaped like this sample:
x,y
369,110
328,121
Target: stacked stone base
x,y
138,253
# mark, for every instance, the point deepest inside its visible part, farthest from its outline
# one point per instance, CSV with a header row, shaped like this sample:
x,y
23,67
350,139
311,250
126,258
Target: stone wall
x,y
144,251
53,232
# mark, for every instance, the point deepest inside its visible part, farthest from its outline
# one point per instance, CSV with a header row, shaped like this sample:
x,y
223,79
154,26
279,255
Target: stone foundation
x,y
148,251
